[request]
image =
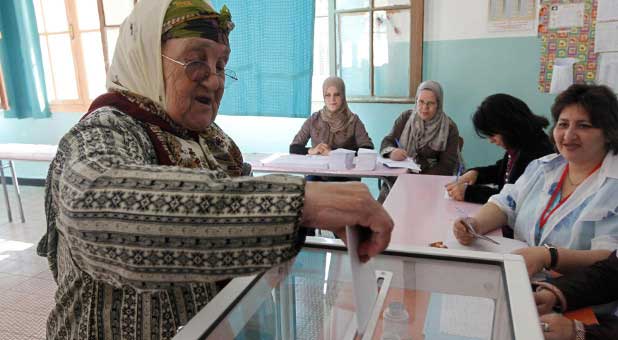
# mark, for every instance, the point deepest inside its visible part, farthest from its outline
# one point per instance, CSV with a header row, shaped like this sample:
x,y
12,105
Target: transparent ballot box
x,y
424,294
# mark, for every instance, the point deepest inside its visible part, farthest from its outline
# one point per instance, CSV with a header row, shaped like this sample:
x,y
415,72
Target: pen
x,y
459,171
471,229
397,143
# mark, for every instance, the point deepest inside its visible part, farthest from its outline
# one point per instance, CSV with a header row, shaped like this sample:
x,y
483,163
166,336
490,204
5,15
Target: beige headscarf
x,y
418,133
340,119
136,66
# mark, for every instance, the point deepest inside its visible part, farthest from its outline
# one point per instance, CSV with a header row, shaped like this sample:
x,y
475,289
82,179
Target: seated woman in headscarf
x,y
145,221
425,134
333,127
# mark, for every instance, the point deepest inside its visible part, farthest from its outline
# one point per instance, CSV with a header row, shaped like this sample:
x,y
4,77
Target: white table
x,y
379,172
22,152
421,212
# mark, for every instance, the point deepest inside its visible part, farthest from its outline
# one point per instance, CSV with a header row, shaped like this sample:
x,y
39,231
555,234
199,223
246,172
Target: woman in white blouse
x,y
564,205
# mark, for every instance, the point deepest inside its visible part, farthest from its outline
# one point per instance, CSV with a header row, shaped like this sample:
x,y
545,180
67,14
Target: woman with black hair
x,y
507,122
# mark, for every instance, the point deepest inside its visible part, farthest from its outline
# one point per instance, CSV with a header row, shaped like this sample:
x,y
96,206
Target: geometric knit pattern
x,y
137,249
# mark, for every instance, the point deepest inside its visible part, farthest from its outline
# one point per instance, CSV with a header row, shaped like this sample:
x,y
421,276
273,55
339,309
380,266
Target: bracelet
x,y
580,330
561,299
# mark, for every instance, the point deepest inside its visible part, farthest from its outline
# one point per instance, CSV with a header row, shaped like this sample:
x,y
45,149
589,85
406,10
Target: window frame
x,y
416,9
83,101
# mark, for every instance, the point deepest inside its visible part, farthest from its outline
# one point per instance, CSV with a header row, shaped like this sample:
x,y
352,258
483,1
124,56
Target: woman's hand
x,y
320,149
536,258
398,155
461,232
558,327
333,206
456,190
545,301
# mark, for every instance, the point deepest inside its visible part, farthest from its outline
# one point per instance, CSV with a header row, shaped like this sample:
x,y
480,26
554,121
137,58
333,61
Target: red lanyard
x,y
547,213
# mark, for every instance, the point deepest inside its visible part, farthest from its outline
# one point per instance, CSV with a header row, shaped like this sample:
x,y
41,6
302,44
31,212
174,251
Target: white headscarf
x,y
136,66
418,133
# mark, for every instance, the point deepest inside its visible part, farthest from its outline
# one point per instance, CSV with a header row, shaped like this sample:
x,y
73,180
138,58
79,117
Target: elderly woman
x,y
425,134
509,123
333,127
145,219
564,205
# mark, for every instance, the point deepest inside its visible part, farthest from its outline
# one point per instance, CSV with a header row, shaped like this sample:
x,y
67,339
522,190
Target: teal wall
x,y
469,70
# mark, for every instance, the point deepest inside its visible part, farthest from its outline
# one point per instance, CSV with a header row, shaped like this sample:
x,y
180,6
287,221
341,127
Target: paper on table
x,y
409,163
467,316
506,246
296,161
364,277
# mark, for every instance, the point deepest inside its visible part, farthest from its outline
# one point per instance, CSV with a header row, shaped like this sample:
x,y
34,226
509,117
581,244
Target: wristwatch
x,y
553,255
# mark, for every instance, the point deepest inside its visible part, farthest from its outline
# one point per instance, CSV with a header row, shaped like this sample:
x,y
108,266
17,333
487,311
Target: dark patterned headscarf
x,y
196,18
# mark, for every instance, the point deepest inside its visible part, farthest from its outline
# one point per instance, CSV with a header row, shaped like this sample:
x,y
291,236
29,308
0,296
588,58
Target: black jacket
x,y
494,174
594,285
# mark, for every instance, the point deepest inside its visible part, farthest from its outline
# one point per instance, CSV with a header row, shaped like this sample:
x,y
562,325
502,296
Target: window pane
x,y
55,15
63,66
112,38
94,63
87,14
49,84
38,13
353,52
381,3
391,53
320,58
116,11
350,4
321,8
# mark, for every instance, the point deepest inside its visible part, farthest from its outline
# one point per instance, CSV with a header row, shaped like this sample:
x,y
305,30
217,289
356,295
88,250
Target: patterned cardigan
x,y
137,248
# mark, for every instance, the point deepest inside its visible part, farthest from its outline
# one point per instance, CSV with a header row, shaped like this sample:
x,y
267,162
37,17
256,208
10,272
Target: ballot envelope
x,y
446,294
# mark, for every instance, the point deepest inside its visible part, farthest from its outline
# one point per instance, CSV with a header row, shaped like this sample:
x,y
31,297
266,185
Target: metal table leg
x,y
6,193
16,184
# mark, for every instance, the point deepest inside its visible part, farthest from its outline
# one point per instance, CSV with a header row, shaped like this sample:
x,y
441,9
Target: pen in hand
x,y
397,143
471,229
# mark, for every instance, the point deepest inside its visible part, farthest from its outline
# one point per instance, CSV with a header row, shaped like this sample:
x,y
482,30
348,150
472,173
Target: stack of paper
x,y
341,159
407,163
296,161
366,159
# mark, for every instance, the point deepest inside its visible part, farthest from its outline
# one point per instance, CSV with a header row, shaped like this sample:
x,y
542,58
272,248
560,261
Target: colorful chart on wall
x,y
566,30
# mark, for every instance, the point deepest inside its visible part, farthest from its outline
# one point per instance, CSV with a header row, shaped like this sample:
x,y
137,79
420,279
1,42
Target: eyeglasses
x,y
198,70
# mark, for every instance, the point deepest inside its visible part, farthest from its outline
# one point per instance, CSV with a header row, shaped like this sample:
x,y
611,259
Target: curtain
x,y
21,60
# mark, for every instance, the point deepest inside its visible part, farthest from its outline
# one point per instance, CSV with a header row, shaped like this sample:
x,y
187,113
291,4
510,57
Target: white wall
x,y
461,19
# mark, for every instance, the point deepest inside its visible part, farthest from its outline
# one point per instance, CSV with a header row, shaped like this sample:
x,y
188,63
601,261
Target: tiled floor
x,y
26,285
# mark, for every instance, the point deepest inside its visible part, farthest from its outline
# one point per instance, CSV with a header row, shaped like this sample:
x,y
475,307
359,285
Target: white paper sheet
x,y
296,161
365,284
606,37
562,75
566,15
607,10
607,73
409,163
506,246
467,316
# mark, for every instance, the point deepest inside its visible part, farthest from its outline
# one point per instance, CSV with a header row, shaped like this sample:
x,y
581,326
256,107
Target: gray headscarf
x,y
418,133
340,119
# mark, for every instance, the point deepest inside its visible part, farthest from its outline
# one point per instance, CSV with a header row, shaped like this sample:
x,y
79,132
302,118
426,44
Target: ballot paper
x,y
407,163
341,159
366,159
364,280
286,161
